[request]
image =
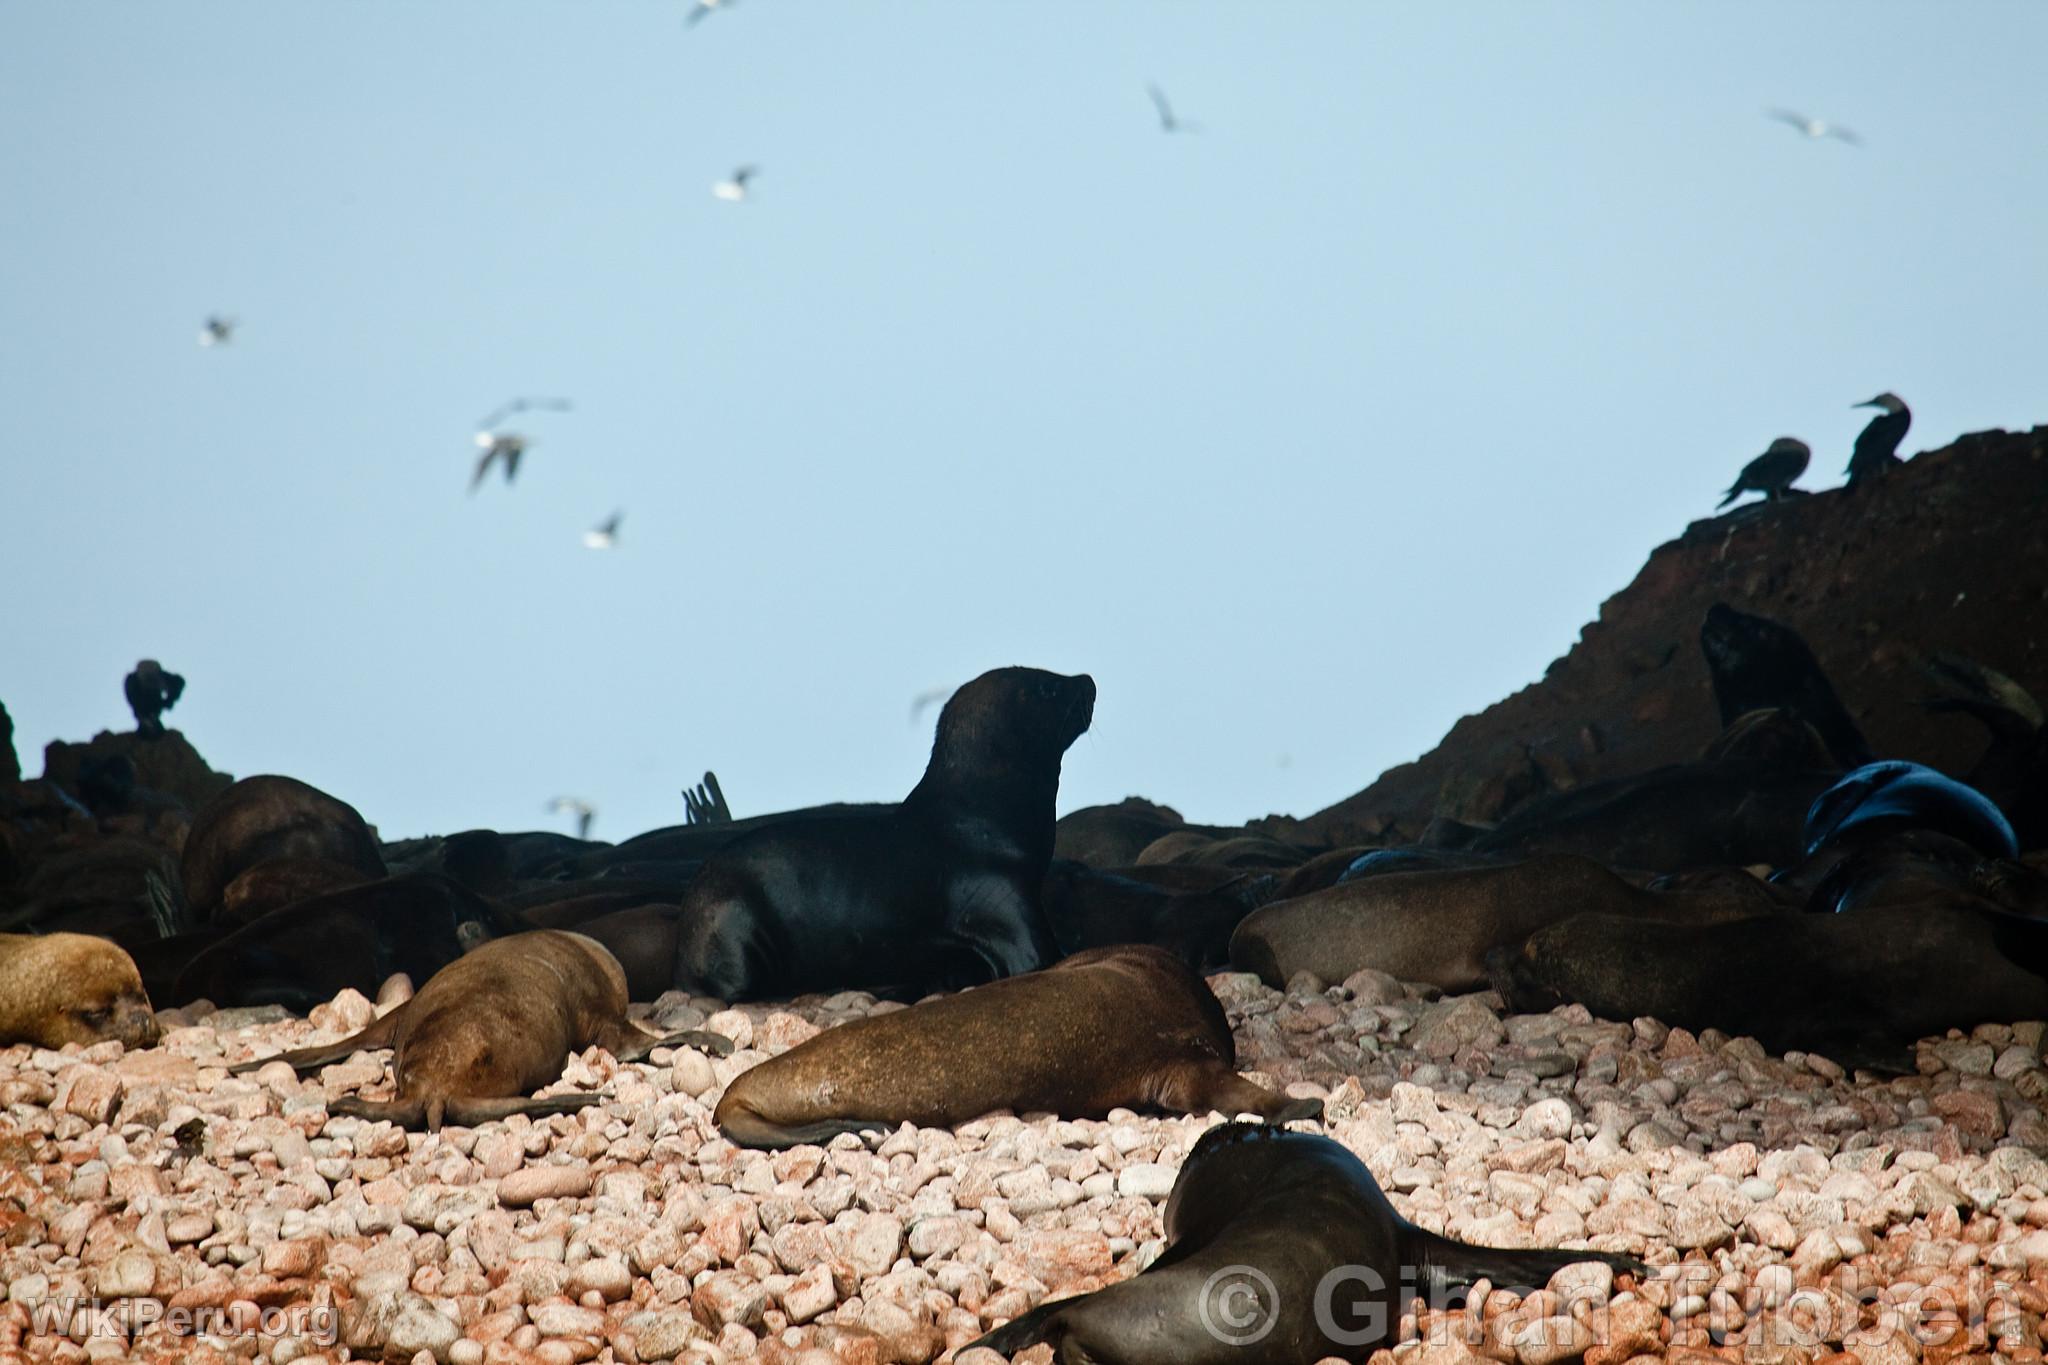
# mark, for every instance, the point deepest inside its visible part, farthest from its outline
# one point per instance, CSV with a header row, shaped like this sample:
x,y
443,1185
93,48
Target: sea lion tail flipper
x,y
404,1113
1019,1333
638,1042
1458,1264
377,1035
468,1113
1202,1088
742,1127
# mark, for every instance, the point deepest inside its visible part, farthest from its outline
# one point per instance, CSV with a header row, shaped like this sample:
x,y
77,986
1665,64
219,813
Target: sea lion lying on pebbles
x,y
493,1027
1436,927
1281,1249
937,893
1127,1027
71,988
1860,988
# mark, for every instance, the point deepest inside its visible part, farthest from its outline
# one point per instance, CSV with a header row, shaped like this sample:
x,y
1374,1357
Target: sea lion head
x,y
72,988
1515,971
1013,721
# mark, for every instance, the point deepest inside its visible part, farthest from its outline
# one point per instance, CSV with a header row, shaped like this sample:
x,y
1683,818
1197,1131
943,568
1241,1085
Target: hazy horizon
x,y
1306,433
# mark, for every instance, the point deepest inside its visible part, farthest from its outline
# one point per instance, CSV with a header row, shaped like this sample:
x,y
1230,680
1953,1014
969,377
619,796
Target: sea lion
x,y
308,953
1860,988
1297,1224
71,988
1114,836
150,692
1125,1027
1244,851
2013,769
276,883
1437,927
489,1029
1758,663
269,817
937,893
1878,799
1087,908
1908,866
1379,862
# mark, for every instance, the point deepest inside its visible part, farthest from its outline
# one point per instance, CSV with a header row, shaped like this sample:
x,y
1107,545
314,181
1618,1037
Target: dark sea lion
x,y
1245,851
86,874
275,883
1297,1224
696,841
1758,663
308,953
2013,769
71,988
1437,927
489,1029
1087,908
1738,812
1379,862
1878,799
1114,836
643,939
1915,865
270,817
1127,1027
1320,872
1775,735
1859,988
937,893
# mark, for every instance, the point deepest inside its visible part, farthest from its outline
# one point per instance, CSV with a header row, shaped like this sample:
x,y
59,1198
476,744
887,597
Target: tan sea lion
x,y
492,1027
71,988
1124,1027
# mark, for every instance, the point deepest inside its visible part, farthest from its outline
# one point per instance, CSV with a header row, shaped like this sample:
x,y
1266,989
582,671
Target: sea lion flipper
x,y
1019,1333
468,1113
1200,1088
634,1043
377,1035
1459,1264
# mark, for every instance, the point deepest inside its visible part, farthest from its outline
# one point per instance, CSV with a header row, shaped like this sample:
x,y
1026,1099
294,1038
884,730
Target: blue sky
x,y
1305,434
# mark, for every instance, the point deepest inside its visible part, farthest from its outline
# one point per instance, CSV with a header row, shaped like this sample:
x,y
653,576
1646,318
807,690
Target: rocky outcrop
x,y
1947,553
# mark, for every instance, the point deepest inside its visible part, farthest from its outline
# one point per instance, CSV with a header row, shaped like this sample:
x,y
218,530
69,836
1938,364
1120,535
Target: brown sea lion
x,y
1126,1027
1280,1249
275,883
1243,851
1114,836
936,893
1088,908
489,1029
71,988
269,817
1437,927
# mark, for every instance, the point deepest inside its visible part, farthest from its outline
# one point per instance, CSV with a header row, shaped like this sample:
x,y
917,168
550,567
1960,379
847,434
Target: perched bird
x,y
703,10
505,445
1877,446
1772,472
931,696
605,534
151,692
582,810
217,331
1815,128
734,190
1168,121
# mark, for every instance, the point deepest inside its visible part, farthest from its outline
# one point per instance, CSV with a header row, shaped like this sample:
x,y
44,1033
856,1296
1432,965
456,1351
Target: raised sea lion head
x,y
1013,721
71,988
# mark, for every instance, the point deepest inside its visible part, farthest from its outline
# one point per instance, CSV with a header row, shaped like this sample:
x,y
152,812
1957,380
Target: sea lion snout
x,y
134,1023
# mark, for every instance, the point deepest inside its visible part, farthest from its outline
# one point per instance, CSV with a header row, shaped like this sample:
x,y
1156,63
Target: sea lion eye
x,y
97,1018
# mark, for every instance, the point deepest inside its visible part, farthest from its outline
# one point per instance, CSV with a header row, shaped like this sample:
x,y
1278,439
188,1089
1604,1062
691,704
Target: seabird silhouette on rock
x,y
1877,446
151,692
1772,472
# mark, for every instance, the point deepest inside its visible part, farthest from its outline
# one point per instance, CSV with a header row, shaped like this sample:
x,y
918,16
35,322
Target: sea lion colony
x,y
1763,1035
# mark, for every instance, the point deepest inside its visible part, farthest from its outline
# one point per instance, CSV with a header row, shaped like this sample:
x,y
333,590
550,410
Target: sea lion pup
x,y
1295,1222
1125,1027
266,817
1880,799
71,988
1860,988
1757,663
1437,927
937,893
489,1029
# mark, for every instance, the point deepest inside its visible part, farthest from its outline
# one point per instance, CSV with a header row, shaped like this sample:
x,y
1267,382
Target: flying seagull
x,y
605,534
582,810
931,696
703,10
217,331
1772,472
1169,122
1815,128
508,445
734,190
1877,446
